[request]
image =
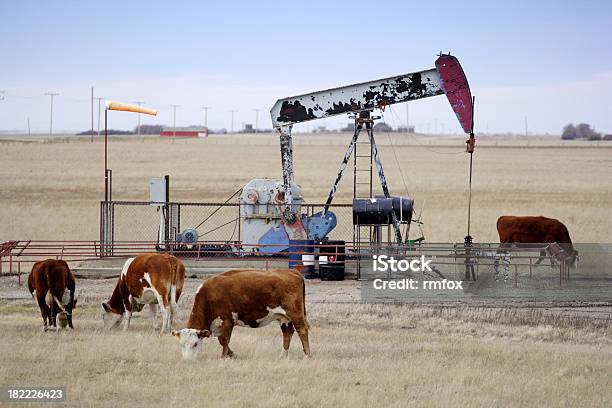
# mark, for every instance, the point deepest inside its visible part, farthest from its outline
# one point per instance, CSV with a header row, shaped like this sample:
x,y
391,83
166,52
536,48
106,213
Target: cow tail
x,y
173,280
59,304
304,301
49,299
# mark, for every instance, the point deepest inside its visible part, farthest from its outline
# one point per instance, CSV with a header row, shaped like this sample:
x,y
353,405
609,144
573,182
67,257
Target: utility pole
x,y
205,109
257,119
232,128
99,99
139,103
526,128
29,134
92,98
174,122
407,119
51,94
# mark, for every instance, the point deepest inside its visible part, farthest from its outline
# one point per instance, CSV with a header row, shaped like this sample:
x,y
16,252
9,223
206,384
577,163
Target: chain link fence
x,y
215,222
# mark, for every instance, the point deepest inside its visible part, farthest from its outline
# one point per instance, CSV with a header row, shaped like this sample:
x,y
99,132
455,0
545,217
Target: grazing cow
x,y
251,298
536,230
52,285
152,279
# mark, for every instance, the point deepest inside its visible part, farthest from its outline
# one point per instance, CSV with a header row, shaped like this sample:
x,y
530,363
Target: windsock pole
x,y
117,106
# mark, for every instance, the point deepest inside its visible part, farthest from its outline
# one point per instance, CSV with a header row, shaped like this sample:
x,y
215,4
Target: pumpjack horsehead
x,y
360,100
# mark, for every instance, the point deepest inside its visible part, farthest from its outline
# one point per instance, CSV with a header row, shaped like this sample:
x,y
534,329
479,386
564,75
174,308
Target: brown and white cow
x,y
147,279
531,230
252,298
52,284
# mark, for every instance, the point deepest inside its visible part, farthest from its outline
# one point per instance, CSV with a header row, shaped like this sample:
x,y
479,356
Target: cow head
x,y
190,341
110,317
64,318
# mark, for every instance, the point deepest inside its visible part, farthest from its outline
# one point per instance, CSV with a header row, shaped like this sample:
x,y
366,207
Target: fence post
x,y
516,276
530,266
239,223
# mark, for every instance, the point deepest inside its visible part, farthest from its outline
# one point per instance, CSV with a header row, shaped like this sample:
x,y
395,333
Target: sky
x,y
547,63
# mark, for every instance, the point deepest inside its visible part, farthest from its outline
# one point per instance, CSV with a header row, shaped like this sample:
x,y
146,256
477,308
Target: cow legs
x,y
69,319
153,315
172,305
302,328
287,329
165,311
53,316
45,312
127,316
226,333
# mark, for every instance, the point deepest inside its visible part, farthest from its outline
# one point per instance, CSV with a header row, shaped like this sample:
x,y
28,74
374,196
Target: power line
x,y
101,98
174,121
92,113
51,94
232,128
139,103
205,109
256,119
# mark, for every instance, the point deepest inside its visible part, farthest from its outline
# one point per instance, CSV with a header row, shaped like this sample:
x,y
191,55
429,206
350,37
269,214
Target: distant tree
x,y
109,131
584,131
149,129
569,132
382,127
594,136
349,128
580,131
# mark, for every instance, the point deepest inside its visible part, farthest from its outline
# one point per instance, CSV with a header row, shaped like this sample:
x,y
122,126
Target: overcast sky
x,y
549,61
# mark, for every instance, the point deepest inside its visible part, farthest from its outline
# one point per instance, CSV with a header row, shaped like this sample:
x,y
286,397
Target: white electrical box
x,y
157,190
260,204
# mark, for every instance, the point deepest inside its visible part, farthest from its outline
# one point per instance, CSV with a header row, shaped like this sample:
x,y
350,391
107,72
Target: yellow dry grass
x,y
363,355
52,189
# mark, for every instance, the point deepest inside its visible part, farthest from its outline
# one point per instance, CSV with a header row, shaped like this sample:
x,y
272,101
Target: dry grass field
x,y
51,189
363,355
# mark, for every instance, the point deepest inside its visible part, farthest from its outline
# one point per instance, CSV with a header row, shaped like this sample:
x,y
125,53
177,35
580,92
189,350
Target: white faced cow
x,y
251,298
148,279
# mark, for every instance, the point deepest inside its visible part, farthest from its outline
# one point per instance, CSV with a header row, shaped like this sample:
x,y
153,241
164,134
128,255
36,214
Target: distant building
x,y
181,133
607,137
190,131
402,129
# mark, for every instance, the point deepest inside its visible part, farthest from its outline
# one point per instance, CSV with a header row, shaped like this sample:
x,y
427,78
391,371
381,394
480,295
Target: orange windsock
x,y
126,107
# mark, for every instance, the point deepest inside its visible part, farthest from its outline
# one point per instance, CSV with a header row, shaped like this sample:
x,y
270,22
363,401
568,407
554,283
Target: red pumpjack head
x,y
457,90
